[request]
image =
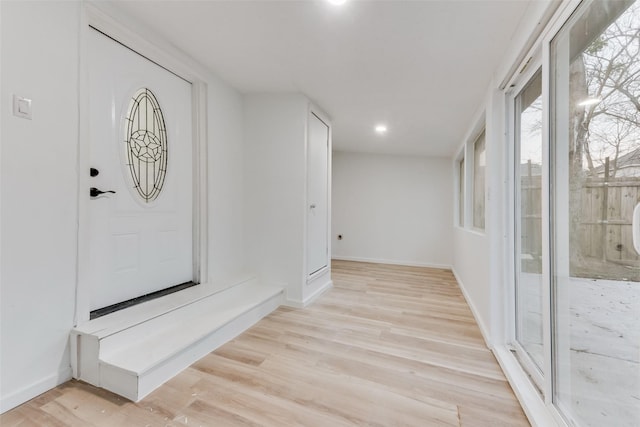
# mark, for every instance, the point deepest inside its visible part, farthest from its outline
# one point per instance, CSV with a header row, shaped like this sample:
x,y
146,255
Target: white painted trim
x,y
508,226
524,77
539,409
548,372
83,292
479,123
392,262
29,392
112,22
470,174
108,18
495,214
475,231
538,413
459,198
1,109
528,365
483,329
546,9
200,179
320,114
561,17
466,152
293,303
310,299
321,290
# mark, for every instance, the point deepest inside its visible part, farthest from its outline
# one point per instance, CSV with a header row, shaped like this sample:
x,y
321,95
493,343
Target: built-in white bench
x,y
133,351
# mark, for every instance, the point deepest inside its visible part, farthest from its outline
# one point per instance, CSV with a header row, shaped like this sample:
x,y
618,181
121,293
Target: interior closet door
x,y
317,195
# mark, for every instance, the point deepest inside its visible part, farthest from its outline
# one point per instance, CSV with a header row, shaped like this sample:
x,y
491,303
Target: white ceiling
x,y
421,67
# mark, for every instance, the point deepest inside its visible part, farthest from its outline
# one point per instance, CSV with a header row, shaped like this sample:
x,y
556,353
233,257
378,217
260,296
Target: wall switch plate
x,y
21,107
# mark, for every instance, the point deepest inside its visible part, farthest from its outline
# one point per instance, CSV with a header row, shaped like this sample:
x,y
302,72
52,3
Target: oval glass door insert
x,y
146,144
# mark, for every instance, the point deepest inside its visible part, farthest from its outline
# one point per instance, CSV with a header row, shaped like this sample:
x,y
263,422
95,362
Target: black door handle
x,y
94,192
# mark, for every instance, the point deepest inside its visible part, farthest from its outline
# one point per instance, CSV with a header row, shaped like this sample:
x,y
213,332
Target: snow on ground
x,y
603,388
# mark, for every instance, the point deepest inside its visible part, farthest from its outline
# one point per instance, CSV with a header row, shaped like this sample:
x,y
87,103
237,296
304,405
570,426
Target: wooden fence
x,y
605,244
607,209
531,223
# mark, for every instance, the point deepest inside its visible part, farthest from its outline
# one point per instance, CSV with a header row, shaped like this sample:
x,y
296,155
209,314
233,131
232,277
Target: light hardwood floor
x,y
387,346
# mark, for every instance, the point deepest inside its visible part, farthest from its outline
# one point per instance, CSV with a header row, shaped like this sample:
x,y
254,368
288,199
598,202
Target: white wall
x,y
226,180
482,260
479,256
392,209
38,197
275,180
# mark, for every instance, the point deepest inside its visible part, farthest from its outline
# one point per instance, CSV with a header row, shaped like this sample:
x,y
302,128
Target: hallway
x,y
388,345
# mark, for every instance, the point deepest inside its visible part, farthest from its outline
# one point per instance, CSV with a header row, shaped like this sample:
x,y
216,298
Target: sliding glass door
x,y
528,225
595,149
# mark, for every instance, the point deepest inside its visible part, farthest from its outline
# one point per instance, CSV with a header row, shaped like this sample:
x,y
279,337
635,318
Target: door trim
x,y
532,67
309,277
115,24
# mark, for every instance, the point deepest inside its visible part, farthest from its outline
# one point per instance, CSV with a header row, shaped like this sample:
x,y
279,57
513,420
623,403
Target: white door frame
x,y
537,403
109,20
324,118
534,64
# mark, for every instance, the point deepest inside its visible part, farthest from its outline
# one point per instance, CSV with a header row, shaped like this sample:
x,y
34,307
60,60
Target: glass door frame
x,y
541,404
538,57
559,214
536,392
526,75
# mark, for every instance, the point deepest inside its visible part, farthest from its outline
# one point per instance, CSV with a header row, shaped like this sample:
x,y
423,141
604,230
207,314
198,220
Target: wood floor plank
x,y
331,394
387,346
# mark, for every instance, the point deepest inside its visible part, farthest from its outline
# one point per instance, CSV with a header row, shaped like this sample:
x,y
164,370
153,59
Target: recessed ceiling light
x,y
337,2
381,128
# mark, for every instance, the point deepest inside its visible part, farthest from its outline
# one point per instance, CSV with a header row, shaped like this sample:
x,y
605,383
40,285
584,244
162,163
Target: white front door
x,y
140,236
317,195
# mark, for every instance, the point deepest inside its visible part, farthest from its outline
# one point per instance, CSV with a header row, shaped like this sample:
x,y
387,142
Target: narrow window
x,y
461,192
479,163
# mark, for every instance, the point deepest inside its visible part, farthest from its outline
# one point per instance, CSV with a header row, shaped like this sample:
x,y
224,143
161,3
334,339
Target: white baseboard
x,y
321,290
483,329
537,412
293,303
19,397
310,299
392,262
